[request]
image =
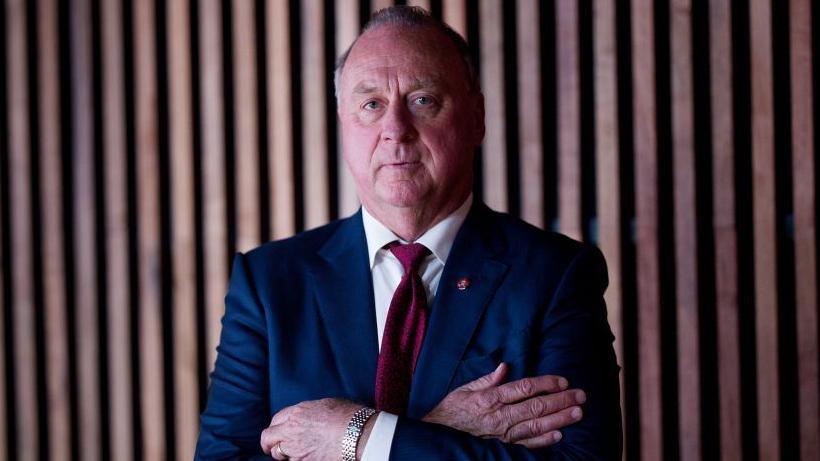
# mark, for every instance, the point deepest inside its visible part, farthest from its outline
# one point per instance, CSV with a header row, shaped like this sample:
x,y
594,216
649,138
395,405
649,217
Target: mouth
x,y
403,165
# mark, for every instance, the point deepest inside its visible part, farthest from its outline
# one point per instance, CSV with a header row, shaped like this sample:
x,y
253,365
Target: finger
x,y
542,405
489,380
268,440
542,441
516,391
535,428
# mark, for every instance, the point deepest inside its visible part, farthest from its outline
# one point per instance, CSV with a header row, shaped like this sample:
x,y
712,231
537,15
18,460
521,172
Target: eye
x,y
370,105
423,100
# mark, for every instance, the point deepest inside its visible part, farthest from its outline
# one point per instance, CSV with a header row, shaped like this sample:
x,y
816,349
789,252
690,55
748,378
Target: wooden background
x,y
143,142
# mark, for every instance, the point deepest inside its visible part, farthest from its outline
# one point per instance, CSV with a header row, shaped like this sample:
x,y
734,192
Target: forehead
x,y
418,55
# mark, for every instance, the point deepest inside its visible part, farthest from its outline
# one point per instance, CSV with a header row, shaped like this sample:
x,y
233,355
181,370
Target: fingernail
x,y
563,383
575,413
499,366
557,436
580,397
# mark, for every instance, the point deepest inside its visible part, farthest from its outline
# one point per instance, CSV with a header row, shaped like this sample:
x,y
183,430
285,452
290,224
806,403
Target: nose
x,y
397,124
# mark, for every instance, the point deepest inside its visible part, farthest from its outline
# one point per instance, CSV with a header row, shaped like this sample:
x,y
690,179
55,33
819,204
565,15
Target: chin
x,y
403,196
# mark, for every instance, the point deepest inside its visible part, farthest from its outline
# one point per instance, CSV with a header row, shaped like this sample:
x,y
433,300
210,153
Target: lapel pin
x,y
463,283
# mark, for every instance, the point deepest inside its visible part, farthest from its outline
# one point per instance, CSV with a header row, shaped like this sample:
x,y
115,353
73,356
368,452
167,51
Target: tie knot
x,y
410,256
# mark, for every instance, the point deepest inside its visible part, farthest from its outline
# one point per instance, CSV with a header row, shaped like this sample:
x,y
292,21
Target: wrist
x,y
355,429
368,428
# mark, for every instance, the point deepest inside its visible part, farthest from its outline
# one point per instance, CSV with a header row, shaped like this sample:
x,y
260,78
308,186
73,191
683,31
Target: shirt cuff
x,y
381,437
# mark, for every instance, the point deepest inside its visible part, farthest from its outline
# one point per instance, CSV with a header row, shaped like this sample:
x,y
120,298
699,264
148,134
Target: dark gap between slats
x,y
262,117
629,283
5,242
706,276
133,225
474,40
364,12
586,51
334,167
199,237
295,27
38,301
744,218
230,129
510,75
549,114
165,199
100,231
666,234
435,9
786,321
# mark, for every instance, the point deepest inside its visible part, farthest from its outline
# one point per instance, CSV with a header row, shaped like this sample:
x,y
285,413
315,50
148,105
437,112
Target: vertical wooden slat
x,y
646,228
314,130
422,3
247,126
804,228
725,236
150,315
116,236
529,114
280,123
765,236
376,5
492,77
56,324
84,225
569,118
214,222
607,171
685,229
186,398
454,13
347,27
21,245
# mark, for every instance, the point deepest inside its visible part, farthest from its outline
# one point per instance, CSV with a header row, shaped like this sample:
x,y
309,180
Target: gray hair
x,y
411,16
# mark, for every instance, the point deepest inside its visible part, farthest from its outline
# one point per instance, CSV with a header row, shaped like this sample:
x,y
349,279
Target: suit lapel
x,y
344,291
455,313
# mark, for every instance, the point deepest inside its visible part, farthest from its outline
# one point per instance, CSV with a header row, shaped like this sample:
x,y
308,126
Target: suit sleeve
x,y
575,342
237,409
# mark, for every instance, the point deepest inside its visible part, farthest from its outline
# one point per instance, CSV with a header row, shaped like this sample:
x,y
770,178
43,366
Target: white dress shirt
x,y
387,272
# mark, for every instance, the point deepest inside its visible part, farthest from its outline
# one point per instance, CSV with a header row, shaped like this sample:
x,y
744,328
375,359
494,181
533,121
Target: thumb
x,y
489,380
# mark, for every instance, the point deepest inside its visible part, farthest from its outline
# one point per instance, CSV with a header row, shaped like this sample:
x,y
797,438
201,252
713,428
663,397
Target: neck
x,y
411,222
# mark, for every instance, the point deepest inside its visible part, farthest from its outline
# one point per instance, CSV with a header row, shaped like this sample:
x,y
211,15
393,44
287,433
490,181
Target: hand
x,y
528,411
311,430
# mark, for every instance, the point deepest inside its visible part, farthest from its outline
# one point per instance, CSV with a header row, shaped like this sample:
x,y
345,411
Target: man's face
x,y
409,120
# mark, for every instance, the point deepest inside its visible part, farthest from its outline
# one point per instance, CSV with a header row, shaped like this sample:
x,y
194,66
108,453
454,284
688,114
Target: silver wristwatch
x,y
354,431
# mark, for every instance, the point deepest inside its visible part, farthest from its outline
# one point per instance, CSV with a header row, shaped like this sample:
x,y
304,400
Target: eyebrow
x,y
366,88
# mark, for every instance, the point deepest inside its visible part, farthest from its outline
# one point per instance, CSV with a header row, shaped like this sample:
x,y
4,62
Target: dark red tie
x,y
403,332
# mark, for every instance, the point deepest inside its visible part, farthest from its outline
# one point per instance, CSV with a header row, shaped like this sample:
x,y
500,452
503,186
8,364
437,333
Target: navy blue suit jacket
x,y
300,325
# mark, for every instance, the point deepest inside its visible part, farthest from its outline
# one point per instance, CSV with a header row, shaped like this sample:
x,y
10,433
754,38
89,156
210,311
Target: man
x,y
426,326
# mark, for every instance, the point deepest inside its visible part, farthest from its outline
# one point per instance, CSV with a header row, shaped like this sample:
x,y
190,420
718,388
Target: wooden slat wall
x,y
151,360
51,198
765,261
646,229
143,142
118,274
686,245
805,245
725,234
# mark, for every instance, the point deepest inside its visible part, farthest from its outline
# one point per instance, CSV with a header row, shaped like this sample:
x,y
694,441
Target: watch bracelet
x,y
353,433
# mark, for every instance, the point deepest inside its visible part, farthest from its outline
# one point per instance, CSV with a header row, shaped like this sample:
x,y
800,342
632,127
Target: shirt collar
x,y
438,239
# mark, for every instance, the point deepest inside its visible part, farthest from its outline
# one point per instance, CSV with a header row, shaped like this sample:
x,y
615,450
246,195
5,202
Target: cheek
x,y
358,145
